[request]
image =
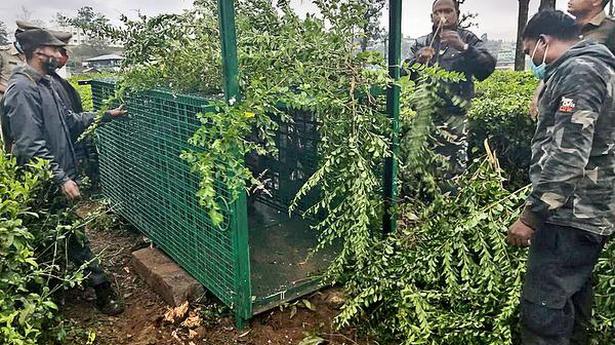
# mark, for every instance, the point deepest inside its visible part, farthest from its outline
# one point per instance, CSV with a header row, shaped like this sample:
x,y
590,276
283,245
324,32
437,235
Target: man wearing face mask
x,y
459,50
571,208
84,150
41,126
594,25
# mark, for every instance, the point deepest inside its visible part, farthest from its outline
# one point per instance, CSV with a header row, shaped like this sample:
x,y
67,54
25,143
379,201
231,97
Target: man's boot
x,y
107,300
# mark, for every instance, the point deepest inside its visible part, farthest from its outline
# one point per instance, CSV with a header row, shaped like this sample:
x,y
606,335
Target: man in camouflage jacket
x,y
571,208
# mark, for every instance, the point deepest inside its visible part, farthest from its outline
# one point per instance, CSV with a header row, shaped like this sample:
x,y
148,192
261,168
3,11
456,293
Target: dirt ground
x,y
143,322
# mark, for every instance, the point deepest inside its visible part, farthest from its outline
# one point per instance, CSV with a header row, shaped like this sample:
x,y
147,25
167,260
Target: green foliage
x,y
500,113
32,234
447,276
85,91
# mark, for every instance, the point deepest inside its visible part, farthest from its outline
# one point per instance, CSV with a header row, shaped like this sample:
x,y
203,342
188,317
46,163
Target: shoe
x,y
107,300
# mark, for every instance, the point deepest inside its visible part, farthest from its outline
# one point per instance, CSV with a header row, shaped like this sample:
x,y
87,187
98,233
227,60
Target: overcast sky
x,y
497,18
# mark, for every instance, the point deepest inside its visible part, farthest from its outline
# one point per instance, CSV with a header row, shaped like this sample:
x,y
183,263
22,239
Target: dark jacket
x,y
601,29
41,125
573,150
67,93
72,100
476,62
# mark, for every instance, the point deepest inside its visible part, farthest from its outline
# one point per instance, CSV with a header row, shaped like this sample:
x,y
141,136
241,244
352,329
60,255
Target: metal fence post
x,y
243,298
393,109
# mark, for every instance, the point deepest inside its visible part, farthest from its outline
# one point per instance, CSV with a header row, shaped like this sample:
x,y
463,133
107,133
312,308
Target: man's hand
x,y
452,39
425,55
520,235
117,112
71,190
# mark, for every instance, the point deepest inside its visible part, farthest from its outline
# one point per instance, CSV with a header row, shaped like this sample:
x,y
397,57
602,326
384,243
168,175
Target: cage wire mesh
x,y
152,187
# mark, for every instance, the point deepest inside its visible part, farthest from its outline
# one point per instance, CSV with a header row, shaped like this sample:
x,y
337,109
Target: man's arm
x,y
23,110
581,98
480,63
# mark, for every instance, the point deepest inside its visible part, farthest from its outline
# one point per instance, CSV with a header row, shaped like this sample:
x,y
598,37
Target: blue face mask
x,y
541,70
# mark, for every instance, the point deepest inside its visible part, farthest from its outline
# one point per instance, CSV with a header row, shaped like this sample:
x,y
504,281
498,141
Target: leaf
x,y
91,338
312,340
308,304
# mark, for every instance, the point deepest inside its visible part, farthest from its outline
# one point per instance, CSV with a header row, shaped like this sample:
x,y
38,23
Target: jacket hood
x,y
585,49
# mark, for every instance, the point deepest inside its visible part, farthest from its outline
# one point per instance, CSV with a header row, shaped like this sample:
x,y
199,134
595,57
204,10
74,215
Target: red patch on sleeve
x,y
567,105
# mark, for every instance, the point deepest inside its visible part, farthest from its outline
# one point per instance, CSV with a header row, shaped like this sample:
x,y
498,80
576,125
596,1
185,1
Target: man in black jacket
x,y
571,209
85,149
459,50
42,126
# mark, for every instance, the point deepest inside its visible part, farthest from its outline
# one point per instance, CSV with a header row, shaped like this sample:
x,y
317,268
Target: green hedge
x,y
33,231
500,113
85,90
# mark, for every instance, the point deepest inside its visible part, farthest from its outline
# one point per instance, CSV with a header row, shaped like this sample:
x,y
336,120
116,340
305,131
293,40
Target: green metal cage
x,y
258,258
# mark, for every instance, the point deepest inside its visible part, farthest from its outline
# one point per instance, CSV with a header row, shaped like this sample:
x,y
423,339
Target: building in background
x,y
506,55
103,63
79,38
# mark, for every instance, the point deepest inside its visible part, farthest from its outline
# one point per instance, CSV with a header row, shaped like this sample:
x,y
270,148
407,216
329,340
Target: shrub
x,y
500,113
85,91
32,232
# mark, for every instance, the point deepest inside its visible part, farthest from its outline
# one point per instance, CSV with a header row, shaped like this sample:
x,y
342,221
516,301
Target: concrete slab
x,y
165,277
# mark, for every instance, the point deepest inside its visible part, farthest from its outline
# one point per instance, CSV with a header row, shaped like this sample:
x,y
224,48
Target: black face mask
x,y
51,63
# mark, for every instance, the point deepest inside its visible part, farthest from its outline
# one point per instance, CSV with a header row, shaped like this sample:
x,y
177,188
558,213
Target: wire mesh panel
x,y
297,140
152,187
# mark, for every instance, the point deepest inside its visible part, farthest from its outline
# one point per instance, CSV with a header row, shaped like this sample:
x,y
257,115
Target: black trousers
x,y
557,297
78,248
79,253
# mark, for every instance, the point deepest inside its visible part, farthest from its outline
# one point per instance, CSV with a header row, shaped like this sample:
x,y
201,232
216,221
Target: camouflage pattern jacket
x,y
573,150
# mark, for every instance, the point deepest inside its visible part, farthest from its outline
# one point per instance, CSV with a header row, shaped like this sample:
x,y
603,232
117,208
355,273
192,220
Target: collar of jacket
x,y
33,74
573,51
597,20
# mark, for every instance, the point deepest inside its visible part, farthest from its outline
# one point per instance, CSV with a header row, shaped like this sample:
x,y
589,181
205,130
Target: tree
x,y
4,34
546,4
612,9
466,20
372,30
524,9
95,25
88,20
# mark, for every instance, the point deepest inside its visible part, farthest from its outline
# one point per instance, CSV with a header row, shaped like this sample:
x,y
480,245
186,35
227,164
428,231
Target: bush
x,y
500,113
447,276
32,232
85,91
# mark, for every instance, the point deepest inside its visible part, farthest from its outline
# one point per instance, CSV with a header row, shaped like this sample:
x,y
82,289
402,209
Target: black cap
x,y
62,35
23,25
32,39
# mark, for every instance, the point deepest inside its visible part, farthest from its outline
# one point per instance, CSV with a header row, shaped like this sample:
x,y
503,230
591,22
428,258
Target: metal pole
x,y
239,213
228,37
393,109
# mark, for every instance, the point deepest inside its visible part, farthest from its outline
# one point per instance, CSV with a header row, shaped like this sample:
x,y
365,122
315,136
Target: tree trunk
x,y
544,4
524,9
612,8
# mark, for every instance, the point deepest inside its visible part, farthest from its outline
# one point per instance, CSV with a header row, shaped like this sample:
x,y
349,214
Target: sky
x,y
496,18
